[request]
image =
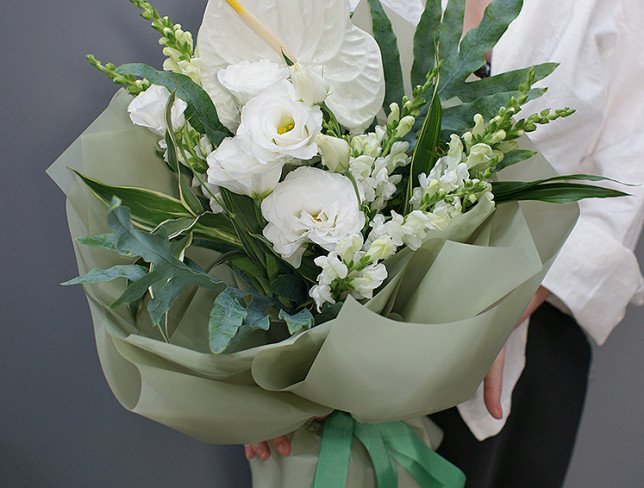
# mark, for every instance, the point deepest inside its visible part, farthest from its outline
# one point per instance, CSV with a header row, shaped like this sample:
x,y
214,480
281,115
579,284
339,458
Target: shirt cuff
x,y
596,276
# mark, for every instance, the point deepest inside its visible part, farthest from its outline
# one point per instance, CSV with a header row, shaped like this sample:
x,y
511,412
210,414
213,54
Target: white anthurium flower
x,y
229,166
311,205
312,33
148,110
247,79
276,126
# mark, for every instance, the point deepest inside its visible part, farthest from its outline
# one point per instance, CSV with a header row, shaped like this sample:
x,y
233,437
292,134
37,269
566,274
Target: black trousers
x,y
534,448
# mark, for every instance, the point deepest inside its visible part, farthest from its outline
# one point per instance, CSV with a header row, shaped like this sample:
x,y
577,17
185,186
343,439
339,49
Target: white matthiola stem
x,y
261,29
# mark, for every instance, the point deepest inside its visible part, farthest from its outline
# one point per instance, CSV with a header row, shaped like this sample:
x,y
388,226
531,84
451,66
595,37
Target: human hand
x,y
263,451
493,382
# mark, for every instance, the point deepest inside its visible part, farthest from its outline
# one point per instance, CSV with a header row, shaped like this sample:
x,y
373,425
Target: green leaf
x,y
230,313
460,58
299,322
176,227
132,272
425,156
561,193
169,275
514,157
189,200
102,241
426,41
291,287
148,208
555,190
201,111
503,82
329,312
384,35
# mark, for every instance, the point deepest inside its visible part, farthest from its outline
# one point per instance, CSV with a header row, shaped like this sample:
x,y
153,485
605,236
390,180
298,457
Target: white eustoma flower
x,y
148,110
310,205
229,166
312,33
275,126
247,79
335,153
309,83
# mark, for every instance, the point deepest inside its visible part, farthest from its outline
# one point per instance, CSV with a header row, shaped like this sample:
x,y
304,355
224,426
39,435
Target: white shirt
x,y
599,45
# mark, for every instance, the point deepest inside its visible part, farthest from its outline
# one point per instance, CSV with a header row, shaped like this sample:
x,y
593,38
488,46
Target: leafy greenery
x,y
384,35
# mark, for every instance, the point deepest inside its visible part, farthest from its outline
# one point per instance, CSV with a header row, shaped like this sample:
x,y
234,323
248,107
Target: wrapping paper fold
x,y
421,345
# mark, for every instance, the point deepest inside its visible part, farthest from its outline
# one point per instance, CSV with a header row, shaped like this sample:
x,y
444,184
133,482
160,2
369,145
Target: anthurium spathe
x,y
313,33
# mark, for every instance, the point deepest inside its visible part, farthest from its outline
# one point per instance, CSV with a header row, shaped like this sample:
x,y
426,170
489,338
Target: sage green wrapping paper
x,y
298,469
421,345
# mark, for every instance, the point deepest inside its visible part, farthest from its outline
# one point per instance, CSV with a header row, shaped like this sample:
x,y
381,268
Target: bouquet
x,y
277,226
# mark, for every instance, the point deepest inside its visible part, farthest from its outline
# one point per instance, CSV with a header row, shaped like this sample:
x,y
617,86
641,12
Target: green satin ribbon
x,y
385,443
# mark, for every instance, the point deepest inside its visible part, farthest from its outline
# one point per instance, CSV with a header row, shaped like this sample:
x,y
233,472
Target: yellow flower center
x,y
285,126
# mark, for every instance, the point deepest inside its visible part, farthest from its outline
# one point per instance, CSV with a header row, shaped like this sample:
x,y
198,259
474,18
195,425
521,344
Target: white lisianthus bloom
x,y
148,110
310,205
246,80
368,280
309,83
335,152
229,166
276,126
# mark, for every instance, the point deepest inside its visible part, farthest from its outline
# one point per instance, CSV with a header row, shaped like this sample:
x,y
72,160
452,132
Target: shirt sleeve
x,y
596,274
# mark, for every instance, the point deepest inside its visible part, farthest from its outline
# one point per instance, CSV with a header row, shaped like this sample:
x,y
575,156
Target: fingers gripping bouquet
x,y
288,234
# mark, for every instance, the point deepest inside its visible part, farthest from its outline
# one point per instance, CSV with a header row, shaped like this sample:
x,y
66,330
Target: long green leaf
x,y
426,41
560,193
201,111
148,208
384,35
501,188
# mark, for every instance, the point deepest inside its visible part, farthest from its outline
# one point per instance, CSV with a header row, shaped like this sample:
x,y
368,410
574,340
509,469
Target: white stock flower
x,y
276,126
229,166
148,110
479,154
382,248
310,205
332,269
368,280
450,170
309,83
335,152
246,80
349,247
321,294
369,144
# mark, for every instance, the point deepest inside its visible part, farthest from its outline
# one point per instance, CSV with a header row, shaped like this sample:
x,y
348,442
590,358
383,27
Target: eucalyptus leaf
x,y
384,35
103,241
201,111
233,310
299,322
169,274
132,272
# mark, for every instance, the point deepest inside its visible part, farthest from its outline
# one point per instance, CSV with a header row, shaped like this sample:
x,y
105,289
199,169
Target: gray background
x,y
59,424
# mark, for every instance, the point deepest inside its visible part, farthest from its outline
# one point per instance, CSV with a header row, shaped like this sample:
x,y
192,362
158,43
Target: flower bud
x,y
404,127
311,87
394,114
381,249
335,153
